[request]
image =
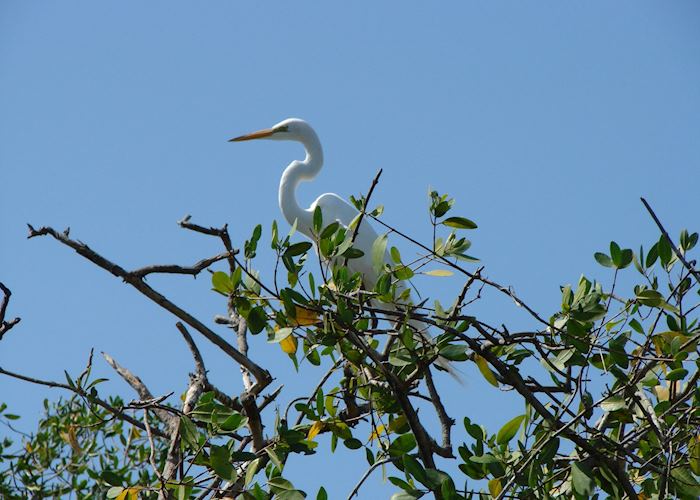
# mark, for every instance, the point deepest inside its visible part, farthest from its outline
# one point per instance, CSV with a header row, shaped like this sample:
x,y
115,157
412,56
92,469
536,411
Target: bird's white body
x,y
333,207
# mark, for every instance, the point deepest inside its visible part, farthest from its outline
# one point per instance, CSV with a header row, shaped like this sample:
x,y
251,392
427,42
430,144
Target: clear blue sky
x,y
546,120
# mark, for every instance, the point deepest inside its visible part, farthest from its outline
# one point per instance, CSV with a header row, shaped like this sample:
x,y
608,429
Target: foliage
x,y
609,382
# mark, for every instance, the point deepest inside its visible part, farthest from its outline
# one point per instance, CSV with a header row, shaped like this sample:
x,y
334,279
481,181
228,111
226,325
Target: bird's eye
x,y
282,128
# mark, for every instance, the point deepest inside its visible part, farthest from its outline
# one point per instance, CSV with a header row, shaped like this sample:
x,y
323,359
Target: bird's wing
x,y
333,208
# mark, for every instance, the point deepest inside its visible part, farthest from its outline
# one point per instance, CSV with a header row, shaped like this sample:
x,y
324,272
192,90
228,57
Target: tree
x,y
609,383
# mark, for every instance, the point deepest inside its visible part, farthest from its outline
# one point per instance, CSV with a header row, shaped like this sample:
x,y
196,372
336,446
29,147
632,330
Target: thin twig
x,y
137,384
356,230
367,473
6,326
678,253
80,392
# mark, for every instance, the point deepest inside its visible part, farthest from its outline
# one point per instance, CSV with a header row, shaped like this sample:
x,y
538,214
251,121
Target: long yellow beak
x,y
260,134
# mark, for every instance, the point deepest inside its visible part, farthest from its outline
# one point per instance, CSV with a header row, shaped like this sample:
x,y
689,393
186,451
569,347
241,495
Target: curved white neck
x,y
296,172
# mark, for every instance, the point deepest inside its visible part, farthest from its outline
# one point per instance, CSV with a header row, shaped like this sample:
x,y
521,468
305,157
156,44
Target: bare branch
x,y
137,384
175,269
446,422
6,326
262,376
254,422
198,361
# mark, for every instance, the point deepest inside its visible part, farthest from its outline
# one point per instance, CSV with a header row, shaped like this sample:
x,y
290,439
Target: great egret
x,y
333,207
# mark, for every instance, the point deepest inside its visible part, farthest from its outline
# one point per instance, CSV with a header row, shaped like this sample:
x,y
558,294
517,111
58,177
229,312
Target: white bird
x,y
333,207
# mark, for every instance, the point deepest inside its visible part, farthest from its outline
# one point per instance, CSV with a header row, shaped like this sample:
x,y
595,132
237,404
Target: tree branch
x,y
137,384
6,326
80,392
262,376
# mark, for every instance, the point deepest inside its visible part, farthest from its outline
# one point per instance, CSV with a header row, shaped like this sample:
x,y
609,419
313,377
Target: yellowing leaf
x,y
397,423
314,430
495,487
483,366
661,393
133,493
305,317
289,344
694,454
378,431
71,438
439,272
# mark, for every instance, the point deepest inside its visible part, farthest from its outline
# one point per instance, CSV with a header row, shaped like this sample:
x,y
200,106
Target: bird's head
x,y
291,129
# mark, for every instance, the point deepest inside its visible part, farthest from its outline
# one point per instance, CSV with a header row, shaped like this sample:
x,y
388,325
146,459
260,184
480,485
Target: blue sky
x,y
545,120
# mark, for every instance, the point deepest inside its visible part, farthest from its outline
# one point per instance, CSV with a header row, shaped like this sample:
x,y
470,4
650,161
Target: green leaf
x,y
317,219
219,460
636,326
414,469
685,483
114,491
613,403
322,495
330,230
677,374
651,298
290,495
582,483
403,273
280,484
488,458
352,443
549,451
274,241
188,431
694,453
615,254
652,255
233,422
111,478
402,445
298,248
650,380
603,259
406,495
665,250
378,251
454,352
395,255
257,319
459,223
474,430
251,470
626,258
509,430
442,208
221,282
